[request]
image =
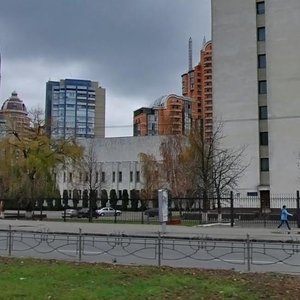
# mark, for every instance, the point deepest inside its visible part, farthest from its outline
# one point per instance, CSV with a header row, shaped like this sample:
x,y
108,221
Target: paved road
x,y
215,230
221,246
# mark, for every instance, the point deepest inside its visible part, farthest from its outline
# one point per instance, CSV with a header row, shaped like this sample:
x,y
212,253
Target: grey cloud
x,y
134,48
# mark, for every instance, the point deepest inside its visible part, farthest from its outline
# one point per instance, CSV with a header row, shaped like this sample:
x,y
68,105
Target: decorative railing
x,y
155,249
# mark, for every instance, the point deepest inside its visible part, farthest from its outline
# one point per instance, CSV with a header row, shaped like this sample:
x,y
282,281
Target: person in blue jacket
x,y
284,217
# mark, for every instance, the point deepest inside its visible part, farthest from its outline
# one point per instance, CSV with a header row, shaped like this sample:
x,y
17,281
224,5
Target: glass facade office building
x,y
75,108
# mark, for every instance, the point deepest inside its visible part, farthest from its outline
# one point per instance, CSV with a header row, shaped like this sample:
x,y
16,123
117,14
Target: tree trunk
x,y
219,209
1,209
220,217
204,217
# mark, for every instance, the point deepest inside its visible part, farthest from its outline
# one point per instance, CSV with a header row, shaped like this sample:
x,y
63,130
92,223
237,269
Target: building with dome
x,y
169,114
13,116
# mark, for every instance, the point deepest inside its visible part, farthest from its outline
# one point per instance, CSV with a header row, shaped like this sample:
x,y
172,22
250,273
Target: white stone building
x,y
116,162
256,89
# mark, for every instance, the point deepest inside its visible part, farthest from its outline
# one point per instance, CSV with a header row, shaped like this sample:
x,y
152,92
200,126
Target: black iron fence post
x,y
264,214
90,208
65,207
159,249
298,210
248,253
9,240
79,244
231,210
41,209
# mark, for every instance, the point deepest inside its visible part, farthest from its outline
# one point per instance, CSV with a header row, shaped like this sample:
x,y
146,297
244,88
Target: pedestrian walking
x,y
284,214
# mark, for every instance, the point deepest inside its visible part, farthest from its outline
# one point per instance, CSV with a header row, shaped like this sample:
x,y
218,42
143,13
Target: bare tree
x,y
215,168
176,169
151,176
228,167
91,169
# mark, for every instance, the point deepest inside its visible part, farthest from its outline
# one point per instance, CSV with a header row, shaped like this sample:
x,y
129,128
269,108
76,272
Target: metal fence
x,y
157,249
190,211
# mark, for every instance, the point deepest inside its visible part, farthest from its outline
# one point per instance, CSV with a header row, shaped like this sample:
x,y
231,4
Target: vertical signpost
x,y
163,208
298,210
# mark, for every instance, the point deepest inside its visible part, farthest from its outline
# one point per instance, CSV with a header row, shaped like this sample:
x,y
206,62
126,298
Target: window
x,y
137,177
263,112
86,177
260,8
261,33
252,194
120,176
264,138
262,87
264,164
261,61
114,177
131,176
97,177
64,176
80,177
70,177
103,177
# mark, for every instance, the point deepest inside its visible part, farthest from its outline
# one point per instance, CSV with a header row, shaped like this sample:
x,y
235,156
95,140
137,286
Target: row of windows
x,y
85,177
262,87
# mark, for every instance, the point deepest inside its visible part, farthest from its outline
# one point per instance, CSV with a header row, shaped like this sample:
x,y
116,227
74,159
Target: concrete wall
x,y
235,78
283,75
235,100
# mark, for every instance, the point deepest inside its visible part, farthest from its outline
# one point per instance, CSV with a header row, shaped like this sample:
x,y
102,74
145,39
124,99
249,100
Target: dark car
x,y
151,212
85,213
154,212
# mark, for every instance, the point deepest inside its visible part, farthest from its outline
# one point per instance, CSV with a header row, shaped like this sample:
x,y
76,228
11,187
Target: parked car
x,y
108,211
154,212
151,212
85,213
70,213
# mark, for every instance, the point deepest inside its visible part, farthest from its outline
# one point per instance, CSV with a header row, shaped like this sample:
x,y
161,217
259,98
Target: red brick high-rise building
x,y
197,84
168,115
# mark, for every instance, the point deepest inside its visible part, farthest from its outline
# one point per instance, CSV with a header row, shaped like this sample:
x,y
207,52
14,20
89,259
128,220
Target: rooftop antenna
x,y
190,54
204,41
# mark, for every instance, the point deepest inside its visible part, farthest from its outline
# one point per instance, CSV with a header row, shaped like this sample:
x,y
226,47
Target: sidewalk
x,y
215,231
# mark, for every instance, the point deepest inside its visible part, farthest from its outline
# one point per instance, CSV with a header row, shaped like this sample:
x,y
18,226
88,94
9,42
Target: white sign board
x,y
163,205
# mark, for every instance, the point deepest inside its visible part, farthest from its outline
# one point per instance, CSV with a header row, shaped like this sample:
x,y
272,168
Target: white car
x,y
70,213
107,211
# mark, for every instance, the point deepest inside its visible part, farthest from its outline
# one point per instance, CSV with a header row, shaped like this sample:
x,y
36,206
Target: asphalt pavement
x,y
215,231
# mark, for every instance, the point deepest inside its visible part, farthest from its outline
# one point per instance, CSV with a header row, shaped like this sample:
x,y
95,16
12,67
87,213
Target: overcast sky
x,y
136,49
